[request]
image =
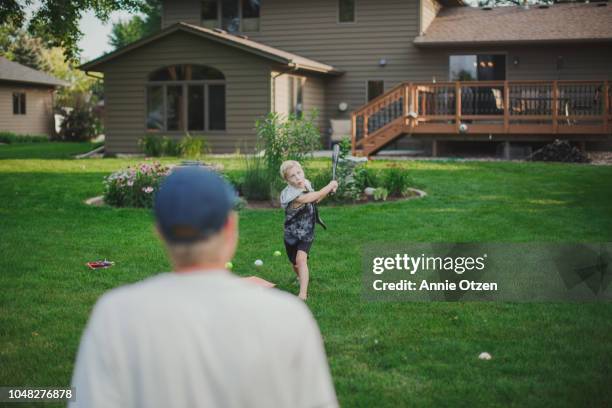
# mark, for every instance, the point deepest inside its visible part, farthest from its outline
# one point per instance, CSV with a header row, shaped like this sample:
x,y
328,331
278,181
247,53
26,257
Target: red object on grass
x,y
100,264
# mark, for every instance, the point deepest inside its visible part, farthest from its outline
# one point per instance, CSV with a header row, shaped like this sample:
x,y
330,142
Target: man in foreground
x,y
200,336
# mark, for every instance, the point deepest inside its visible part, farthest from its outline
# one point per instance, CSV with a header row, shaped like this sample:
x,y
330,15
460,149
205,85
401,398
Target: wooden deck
x,y
468,109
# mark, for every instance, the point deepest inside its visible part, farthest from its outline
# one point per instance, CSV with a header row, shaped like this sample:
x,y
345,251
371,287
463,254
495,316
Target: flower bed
x,y
134,186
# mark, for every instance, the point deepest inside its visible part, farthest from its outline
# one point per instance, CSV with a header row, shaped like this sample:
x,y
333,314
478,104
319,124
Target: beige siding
x,y
174,11
247,90
313,97
429,11
39,110
280,84
383,29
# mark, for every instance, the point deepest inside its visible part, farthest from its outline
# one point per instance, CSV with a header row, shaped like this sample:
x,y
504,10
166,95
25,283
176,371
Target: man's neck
x,y
208,267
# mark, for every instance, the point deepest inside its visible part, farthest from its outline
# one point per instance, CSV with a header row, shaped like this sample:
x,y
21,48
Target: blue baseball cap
x,y
192,204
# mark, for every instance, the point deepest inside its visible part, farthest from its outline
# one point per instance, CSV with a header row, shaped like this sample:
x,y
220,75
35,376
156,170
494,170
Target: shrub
x,y
290,139
193,147
256,184
381,193
396,180
236,179
10,138
189,147
152,145
348,187
366,177
135,186
170,147
79,124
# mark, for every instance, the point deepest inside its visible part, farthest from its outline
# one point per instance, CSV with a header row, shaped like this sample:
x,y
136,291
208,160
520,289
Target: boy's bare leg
x,y
295,269
302,269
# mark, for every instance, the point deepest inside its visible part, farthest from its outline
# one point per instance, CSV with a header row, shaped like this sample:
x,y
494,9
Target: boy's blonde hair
x,y
286,166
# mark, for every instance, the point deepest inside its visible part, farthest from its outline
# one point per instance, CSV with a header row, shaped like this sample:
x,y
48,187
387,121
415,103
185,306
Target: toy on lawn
x,y
258,263
100,264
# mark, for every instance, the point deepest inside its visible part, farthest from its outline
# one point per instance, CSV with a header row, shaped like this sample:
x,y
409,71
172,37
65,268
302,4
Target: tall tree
x,y
57,22
17,45
126,32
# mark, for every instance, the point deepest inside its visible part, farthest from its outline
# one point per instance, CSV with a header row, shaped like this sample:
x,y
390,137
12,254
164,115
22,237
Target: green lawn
x,y
381,354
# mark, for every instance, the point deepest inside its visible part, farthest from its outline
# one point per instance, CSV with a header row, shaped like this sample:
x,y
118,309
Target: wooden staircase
x,y
382,120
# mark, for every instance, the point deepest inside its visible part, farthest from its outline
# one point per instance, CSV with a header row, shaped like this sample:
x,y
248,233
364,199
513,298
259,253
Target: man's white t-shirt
x,y
201,339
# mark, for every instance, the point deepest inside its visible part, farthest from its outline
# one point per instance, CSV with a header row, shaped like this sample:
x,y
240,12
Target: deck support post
x,y
507,150
434,148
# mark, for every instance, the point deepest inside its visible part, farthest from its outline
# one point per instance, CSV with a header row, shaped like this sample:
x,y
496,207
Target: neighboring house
x,y
336,55
26,99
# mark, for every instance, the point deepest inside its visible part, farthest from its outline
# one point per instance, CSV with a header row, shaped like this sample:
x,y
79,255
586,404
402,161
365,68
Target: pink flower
x,y
148,189
130,183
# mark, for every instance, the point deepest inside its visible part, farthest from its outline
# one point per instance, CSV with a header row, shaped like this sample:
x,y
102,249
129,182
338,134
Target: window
x,y
231,15
250,15
216,110
346,11
375,89
296,96
19,103
186,97
210,13
477,67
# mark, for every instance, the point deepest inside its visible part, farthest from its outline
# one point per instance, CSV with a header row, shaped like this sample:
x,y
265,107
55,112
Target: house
x,y
406,72
26,99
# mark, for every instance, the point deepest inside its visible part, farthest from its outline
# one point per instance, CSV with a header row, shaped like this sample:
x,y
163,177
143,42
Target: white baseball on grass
x,y
485,356
258,262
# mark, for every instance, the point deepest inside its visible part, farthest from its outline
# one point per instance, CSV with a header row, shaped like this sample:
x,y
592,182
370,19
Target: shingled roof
x,y
14,72
223,37
559,23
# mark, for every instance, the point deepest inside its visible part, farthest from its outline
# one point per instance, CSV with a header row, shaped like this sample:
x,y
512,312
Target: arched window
x,y
186,98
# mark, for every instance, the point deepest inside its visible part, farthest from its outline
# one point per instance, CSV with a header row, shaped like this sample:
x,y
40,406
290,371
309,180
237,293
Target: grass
x,y
381,354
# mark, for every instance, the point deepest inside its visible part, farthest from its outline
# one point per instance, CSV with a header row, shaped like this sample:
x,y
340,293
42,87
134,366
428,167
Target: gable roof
x,y
15,72
220,36
570,22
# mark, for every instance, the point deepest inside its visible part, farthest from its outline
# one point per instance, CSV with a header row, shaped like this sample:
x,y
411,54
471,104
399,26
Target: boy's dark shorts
x,y
292,249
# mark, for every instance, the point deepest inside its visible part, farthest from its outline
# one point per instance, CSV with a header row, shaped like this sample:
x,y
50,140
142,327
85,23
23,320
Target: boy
x,y
299,199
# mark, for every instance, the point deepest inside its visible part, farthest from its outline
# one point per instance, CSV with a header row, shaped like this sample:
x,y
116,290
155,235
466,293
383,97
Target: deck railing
x,y
494,107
